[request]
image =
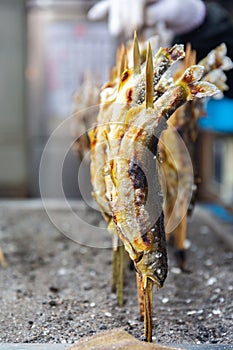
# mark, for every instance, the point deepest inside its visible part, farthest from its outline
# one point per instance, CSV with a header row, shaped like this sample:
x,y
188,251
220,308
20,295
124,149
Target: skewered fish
x,y
89,136
135,107
98,171
176,167
101,179
138,117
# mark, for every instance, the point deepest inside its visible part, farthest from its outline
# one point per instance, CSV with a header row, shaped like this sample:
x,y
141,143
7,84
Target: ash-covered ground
x,y
56,291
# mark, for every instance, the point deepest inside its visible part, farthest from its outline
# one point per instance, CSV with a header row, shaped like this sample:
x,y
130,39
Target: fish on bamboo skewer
x,y
131,91
175,167
94,139
90,139
84,119
98,172
87,96
133,186
85,131
162,61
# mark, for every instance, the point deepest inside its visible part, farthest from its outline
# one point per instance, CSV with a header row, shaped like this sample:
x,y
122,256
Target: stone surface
x,y
56,291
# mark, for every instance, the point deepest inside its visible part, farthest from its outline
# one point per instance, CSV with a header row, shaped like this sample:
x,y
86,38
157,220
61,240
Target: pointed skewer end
x,y
149,78
136,55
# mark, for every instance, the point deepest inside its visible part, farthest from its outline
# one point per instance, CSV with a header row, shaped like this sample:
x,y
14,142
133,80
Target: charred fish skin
x,y
131,213
150,242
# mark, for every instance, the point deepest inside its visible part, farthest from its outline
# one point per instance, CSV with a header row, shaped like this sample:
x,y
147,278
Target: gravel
x,y
55,290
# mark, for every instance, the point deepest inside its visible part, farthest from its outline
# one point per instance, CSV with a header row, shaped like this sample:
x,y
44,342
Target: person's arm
x,y
125,16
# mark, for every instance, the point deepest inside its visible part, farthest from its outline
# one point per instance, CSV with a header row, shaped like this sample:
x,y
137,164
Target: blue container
x,y
219,116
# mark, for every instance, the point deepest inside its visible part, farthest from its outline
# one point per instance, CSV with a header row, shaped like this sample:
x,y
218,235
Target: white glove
x,y
125,16
181,16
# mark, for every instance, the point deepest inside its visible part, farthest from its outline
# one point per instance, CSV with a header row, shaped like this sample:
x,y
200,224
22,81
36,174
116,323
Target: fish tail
x,y
191,81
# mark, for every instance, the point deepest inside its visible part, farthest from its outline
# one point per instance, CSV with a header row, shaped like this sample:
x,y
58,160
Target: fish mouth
x,y
157,278
157,281
154,279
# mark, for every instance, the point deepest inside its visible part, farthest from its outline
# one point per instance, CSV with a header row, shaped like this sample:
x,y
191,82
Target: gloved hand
x,y
180,16
125,16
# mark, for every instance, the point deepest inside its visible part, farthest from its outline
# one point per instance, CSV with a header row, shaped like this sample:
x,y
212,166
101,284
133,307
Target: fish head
x,y
153,265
